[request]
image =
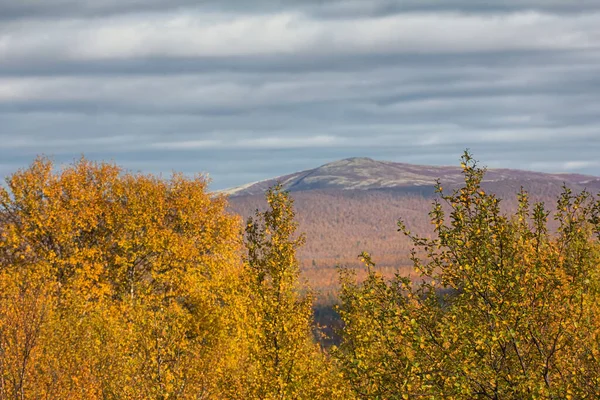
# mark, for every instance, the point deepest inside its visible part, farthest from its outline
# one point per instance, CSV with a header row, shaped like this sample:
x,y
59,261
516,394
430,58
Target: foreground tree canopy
x,y
113,285
128,286
506,310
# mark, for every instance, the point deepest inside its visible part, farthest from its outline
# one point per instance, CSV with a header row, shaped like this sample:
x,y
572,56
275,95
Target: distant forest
x,y
116,285
339,225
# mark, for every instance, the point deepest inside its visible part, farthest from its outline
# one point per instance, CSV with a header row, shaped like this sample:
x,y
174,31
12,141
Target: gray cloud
x,y
333,8
245,93
196,34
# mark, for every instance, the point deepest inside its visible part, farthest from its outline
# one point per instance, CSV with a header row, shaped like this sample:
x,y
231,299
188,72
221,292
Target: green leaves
x,y
499,309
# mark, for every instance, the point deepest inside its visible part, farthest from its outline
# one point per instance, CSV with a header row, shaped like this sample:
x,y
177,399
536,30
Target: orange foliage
x,y
114,285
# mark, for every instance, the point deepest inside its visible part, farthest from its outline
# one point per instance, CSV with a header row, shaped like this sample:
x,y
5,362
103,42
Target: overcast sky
x,y
245,90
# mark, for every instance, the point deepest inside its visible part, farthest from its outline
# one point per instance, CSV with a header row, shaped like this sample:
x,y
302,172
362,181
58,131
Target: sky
x,y
247,90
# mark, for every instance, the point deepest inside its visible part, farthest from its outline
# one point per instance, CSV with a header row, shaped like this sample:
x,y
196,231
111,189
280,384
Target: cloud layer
x,y
245,93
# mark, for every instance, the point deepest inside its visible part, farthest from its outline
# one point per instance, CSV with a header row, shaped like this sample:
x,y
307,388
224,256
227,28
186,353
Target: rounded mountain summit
x,y
363,173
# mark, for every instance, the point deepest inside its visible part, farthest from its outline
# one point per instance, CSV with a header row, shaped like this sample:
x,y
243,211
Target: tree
x,y
506,308
285,362
116,285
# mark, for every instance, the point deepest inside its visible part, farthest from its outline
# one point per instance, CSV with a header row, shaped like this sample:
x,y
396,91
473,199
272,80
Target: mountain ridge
x,y
364,173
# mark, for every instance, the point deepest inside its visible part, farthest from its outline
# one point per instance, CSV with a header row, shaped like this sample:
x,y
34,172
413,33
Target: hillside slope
x,y
352,205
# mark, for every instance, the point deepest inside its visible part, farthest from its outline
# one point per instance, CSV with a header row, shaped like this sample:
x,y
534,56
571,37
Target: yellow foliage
x,y
116,285
127,286
284,361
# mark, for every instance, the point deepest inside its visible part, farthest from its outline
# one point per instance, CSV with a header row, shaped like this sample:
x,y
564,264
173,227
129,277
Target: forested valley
x,y
119,285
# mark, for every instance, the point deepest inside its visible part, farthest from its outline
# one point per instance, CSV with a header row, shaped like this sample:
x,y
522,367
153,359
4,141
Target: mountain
x,y
360,173
352,205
